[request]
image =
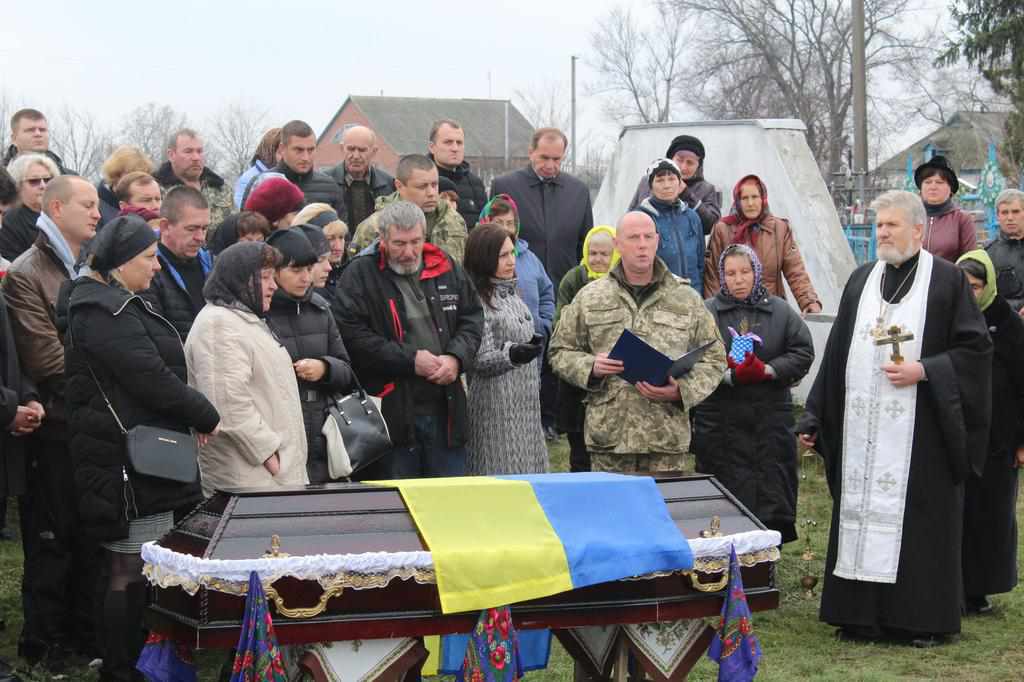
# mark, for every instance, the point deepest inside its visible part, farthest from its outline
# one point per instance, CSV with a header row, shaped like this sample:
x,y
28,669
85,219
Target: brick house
x,y
403,125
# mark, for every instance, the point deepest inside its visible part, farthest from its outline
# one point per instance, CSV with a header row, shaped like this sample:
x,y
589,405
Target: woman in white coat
x,y
235,360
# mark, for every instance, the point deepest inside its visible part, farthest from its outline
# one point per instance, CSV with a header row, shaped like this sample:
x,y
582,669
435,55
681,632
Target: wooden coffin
x,y
353,518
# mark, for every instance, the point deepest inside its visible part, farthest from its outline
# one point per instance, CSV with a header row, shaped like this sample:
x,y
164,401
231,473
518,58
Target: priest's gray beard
x,y
893,256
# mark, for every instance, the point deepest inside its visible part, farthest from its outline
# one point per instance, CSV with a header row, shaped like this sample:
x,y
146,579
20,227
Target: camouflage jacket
x,y
672,319
445,228
217,192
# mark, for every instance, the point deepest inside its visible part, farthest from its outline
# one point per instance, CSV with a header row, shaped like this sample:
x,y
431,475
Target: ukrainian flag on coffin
x,y
506,539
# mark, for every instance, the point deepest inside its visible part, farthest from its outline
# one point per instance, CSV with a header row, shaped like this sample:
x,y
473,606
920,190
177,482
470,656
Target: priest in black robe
x,y
899,403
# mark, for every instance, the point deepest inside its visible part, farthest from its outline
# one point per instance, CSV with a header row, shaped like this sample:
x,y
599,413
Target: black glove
x,y
523,353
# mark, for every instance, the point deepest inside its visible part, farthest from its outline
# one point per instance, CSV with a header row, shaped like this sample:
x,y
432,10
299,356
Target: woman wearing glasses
x,y
31,172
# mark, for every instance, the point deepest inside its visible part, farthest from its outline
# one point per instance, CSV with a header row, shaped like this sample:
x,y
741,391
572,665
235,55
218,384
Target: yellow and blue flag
x,y
507,539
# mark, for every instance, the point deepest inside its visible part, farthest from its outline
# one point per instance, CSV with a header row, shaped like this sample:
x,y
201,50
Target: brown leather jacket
x,y
31,287
779,255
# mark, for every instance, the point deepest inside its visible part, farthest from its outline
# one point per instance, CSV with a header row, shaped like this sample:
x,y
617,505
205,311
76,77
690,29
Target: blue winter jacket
x,y
680,239
535,287
245,179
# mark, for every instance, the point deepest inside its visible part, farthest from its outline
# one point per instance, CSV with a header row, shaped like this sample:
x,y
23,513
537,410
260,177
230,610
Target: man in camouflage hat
x,y
417,182
642,427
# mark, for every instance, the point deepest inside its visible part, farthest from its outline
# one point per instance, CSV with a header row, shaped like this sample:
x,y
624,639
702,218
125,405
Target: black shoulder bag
x,y
155,451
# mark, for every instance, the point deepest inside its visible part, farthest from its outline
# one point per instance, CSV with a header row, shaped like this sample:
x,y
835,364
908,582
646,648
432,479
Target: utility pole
x,y
860,110
572,61
668,91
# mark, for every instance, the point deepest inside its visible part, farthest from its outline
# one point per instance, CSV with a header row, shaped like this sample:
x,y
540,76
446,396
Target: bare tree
x,y
546,104
934,94
81,142
233,134
803,49
638,68
149,126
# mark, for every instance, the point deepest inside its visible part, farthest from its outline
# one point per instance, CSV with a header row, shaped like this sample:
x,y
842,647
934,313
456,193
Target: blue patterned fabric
x,y
735,647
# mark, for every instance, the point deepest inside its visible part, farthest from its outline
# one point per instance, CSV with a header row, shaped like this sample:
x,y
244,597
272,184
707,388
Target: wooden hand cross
x,y
893,336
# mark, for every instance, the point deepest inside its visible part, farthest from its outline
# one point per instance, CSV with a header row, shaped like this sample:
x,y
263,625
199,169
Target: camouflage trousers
x,y
635,464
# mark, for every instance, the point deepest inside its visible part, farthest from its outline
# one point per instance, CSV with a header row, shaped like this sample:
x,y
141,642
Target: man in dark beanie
x,y
275,198
688,154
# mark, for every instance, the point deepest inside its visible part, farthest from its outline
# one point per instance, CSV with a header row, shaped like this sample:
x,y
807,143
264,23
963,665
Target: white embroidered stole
x,y
878,434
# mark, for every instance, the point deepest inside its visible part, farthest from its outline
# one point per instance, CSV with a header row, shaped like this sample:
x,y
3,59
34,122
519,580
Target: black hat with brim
x,y
940,165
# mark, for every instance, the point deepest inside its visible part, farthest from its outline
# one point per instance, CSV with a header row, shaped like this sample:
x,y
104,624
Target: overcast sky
x,y
294,59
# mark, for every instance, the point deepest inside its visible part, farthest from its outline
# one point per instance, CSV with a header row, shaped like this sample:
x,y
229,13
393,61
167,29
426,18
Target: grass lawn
x,y
796,646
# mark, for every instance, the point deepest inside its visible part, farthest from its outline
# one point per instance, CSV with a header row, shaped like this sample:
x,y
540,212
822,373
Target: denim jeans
x,y
429,456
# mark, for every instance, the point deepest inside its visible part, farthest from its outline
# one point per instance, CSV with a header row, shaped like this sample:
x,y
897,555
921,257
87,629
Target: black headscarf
x,y
120,240
235,279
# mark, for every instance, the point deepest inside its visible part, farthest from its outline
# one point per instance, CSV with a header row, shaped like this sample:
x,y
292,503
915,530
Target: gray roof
x,y
964,139
404,123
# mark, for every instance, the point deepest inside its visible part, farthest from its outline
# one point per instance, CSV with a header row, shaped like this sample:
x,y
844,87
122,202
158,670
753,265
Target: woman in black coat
x,y
990,522
118,346
304,325
743,431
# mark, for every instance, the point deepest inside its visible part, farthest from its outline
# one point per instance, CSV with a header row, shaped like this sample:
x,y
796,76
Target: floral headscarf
x,y
758,293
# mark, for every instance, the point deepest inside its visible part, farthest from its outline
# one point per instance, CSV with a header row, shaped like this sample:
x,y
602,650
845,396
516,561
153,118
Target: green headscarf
x,y
988,294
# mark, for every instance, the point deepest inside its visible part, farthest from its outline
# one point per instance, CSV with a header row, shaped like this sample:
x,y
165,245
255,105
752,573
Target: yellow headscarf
x,y
988,294
586,251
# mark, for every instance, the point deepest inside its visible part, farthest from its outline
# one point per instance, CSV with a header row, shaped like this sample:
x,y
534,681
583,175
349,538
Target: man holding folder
x,y
642,426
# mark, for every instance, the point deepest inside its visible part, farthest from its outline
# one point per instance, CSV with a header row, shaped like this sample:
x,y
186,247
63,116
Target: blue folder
x,y
641,362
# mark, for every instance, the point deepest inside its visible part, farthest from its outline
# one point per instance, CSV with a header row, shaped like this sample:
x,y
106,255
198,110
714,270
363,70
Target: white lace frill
x,y
167,568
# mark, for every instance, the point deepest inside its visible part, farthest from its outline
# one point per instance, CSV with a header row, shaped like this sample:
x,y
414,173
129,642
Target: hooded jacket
x,y
371,316
139,361
700,195
469,187
445,228
680,238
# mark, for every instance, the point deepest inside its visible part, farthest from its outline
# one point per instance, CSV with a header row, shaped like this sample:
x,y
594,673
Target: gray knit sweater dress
x,y
505,434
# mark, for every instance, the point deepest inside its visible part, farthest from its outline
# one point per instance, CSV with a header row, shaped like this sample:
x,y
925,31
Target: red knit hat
x,y
274,198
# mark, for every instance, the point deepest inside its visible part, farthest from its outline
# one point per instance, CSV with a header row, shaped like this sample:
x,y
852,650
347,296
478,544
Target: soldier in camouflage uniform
x,y
643,427
416,180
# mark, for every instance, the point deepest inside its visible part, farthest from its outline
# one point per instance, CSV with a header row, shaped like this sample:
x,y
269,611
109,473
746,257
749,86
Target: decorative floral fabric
x,y
493,651
257,657
164,660
735,647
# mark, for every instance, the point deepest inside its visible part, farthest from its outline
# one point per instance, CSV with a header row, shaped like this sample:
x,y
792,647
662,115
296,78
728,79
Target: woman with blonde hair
x,y
122,161
336,231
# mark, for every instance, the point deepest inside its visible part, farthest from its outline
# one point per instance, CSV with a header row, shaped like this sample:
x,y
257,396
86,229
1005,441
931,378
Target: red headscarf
x,y
742,232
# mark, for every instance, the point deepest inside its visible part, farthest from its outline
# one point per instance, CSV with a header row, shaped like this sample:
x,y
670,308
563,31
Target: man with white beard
x,y
898,406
